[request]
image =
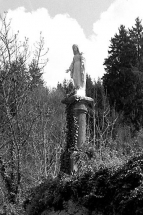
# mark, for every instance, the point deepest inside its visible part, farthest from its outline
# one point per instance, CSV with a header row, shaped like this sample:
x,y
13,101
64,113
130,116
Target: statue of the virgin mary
x,y
77,71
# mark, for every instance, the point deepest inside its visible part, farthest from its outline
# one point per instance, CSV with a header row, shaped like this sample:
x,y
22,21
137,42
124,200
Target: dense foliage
x,y
124,75
110,191
30,118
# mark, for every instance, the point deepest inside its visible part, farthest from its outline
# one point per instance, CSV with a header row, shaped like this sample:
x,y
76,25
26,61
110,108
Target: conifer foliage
x,y
123,78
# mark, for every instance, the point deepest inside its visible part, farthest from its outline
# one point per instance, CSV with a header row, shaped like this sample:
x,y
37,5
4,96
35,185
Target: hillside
x,y
106,191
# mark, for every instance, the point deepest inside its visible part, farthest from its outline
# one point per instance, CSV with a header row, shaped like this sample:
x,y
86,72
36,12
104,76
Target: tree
x,y
118,78
17,82
66,87
121,80
136,33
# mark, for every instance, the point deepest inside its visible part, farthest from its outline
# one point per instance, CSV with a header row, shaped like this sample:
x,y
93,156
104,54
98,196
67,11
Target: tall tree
x,y
123,79
136,35
17,114
118,79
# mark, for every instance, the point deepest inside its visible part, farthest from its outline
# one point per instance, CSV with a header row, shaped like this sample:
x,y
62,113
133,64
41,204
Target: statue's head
x,y
75,49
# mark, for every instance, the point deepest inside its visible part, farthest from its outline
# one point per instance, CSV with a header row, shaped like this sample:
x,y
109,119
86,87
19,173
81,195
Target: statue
x,y
77,71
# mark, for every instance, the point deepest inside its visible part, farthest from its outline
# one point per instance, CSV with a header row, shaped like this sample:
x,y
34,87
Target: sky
x,y
88,23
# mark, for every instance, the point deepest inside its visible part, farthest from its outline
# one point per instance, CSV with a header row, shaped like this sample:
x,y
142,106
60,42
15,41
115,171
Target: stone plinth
x,y
76,110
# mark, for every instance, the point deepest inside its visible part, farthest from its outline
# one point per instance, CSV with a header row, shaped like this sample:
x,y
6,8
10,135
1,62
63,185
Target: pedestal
x,y
76,110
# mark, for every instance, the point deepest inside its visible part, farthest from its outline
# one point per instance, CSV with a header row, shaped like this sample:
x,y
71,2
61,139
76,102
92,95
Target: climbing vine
x,y
72,128
71,138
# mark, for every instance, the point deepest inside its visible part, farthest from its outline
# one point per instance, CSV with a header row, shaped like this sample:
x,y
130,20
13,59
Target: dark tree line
x,y
123,78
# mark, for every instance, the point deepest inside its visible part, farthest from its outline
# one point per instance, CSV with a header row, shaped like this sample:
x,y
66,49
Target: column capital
x,y
76,99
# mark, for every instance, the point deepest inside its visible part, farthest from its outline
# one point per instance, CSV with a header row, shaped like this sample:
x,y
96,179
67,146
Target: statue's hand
x,y
67,70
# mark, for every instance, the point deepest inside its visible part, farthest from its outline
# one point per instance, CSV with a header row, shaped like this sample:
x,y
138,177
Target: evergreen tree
x,y
123,78
66,87
136,34
118,79
89,86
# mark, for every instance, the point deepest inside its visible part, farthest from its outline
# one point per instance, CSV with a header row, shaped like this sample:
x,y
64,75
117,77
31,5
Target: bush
x,y
107,190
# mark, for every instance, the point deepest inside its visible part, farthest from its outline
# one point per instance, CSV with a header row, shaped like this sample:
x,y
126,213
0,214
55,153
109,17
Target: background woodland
x,y
33,119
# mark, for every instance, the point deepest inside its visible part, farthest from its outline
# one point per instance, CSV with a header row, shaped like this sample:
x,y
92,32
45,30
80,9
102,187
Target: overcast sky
x,y
88,23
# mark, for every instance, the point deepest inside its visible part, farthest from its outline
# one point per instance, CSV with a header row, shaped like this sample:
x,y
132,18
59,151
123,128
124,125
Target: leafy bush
x,y
107,190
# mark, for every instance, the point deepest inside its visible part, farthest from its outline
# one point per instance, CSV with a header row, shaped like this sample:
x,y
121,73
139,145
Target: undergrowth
x,y
109,180
107,190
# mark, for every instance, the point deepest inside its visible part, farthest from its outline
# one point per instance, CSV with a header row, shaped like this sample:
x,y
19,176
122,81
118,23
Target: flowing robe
x,y
77,69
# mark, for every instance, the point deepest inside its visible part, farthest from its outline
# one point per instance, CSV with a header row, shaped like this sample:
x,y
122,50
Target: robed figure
x,y
77,71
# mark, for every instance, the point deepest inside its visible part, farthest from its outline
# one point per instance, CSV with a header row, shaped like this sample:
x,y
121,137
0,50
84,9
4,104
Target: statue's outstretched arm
x,y
71,69
71,66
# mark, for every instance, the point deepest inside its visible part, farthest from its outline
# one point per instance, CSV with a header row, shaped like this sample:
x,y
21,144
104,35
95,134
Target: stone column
x,y
77,107
80,110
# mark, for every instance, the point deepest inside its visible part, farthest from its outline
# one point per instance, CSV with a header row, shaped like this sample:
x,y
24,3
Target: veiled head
x,y
75,49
